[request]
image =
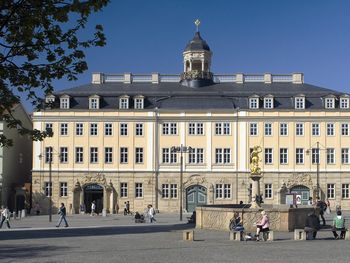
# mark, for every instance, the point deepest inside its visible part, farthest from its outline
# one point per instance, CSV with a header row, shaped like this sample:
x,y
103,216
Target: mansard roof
x,y
173,95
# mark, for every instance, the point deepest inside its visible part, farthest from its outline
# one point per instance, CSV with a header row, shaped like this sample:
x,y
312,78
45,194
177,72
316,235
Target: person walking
x,y
93,208
339,225
322,206
5,216
151,213
62,212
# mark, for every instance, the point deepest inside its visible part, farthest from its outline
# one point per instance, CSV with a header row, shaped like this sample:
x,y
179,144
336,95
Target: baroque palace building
x,y
113,139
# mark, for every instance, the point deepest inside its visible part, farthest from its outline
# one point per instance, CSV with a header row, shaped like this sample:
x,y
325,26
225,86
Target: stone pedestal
x,y
104,212
255,190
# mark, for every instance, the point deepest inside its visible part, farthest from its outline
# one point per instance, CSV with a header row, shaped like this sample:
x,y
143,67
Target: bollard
x,y
188,235
235,236
299,234
347,234
104,212
23,213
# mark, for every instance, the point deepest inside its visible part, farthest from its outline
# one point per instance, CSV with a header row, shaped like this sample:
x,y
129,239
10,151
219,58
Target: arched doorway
x,y
93,192
196,195
303,192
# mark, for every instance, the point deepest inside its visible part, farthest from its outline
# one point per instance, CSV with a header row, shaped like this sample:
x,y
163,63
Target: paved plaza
x,y
116,238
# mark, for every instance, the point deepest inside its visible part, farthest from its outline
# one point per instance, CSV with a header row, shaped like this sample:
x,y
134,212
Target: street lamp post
x,y
317,160
50,184
181,149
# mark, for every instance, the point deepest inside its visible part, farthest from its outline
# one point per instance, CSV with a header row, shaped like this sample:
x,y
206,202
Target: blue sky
x,y
248,36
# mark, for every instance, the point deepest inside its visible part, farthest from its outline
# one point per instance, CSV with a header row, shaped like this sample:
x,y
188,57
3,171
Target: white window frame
x,y
94,103
64,103
268,155
299,156
195,128
283,155
123,129
299,103
93,129
173,191
63,189
345,193
168,157
330,129
108,154
169,128
299,129
124,103
93,154
165,191
123,190
268,129
64,129
124,155
344,103
79,154
253,103
268,103
330,191
108,129
345,129
268,191
64,154
138,103
79,129
330,156
139,155
138,129
48,189
345,155
253,129
315,129
196,156
138,190
283,129
329,103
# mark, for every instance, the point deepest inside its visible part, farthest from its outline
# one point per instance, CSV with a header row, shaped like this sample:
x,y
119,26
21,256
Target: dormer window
x,y
254,103
138,103
268,103
50,99
124,103
94,102
299,103
344,103
64,102
329,103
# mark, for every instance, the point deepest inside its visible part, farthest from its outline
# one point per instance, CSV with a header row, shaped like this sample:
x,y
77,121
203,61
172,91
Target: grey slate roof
x,y
217,96
197,44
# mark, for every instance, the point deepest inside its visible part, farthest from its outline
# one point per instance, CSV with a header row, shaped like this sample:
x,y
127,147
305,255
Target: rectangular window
x,y
299,155
222,128
344,103
79,129
330,191
139,103
330,156
139,129
108,129
169,128
48,154
300,103
195,128
196,155
268,103
329,103
227,191
108,154
315,129
218,191
93,129
254,103
165,190
253,129
268,191
64,129
168,156
138,155
283,129
299,129
345,129
123,190
138,190
345,191
64,103
94,103
124,103
79,155
268,155
123,155
48,127
268,129
93,154
48,189
222,155
283,155
63,189
227,155
345,155
123,129
173,190
63,154
315,159
330,129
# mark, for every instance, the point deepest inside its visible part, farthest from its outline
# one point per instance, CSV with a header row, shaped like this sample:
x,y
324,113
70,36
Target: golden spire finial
x,y
197,23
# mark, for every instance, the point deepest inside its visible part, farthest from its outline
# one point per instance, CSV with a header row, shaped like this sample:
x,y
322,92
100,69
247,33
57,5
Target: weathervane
x,y
197,23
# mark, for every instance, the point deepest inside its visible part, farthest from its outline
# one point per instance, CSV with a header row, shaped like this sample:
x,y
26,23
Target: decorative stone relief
x,y
195,179
98,178
300,179
77,187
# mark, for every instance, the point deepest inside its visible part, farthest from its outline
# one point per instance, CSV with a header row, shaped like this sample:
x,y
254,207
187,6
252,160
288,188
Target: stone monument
x,y
255,175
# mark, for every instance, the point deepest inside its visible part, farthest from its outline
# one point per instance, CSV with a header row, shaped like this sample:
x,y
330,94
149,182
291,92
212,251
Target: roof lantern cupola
x,y
197,62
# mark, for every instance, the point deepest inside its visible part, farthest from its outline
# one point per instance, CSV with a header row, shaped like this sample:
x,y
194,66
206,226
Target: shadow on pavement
x,y
10,253
100,231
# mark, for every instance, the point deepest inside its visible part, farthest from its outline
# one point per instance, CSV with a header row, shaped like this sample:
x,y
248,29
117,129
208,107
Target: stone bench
x,y
188,235
236,236
300,234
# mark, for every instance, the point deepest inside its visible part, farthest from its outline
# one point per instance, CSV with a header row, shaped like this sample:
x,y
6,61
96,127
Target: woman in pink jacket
x,y
263,225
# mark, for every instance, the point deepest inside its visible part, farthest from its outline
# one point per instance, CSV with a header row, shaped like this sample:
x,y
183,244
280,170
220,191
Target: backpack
x,y
154,212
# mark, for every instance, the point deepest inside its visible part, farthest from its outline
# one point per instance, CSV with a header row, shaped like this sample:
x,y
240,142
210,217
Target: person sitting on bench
x,y
139,218
263,225
339,225
312,225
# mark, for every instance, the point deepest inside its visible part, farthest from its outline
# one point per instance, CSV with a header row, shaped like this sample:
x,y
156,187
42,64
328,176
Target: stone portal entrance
x,y
196,195
303,192
93,192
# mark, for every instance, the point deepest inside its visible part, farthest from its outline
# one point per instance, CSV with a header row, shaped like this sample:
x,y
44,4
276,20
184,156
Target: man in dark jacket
x,y
62,213
322,206
312,225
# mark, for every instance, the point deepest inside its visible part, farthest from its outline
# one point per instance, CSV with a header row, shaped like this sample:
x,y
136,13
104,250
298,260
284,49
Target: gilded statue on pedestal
x,y
254,160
